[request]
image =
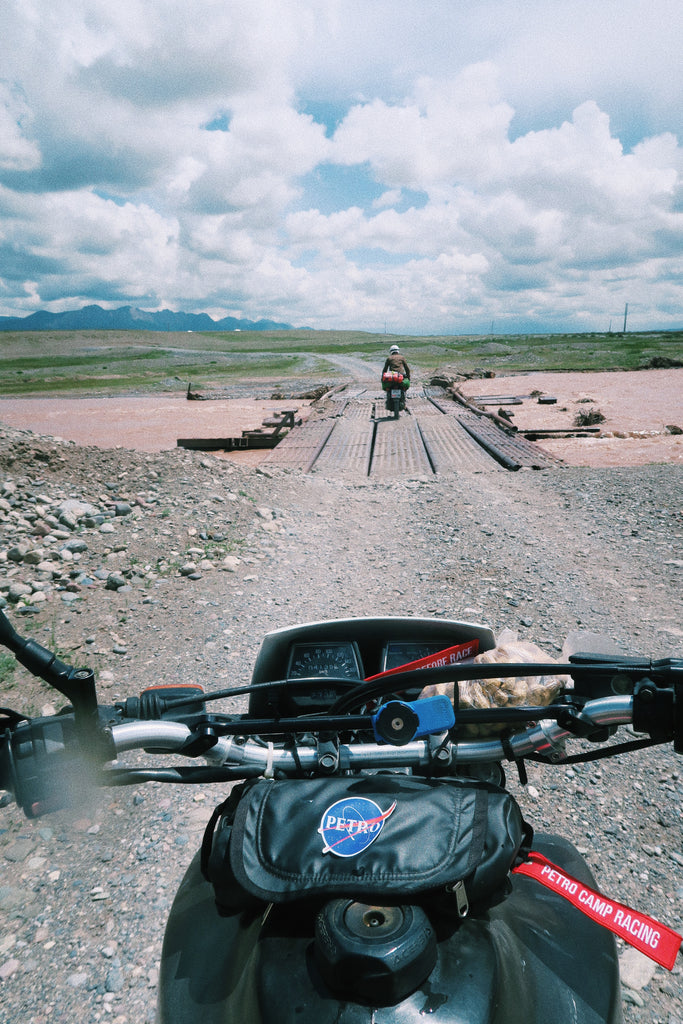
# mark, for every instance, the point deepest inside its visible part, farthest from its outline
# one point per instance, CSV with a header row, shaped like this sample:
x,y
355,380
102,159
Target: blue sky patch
x,y
334,187
220,122
327,113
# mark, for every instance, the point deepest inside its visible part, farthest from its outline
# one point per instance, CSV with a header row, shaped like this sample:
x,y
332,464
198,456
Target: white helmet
x,y
394,350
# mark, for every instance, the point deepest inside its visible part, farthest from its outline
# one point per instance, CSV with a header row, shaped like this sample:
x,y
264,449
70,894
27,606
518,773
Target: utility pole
x,y
625,315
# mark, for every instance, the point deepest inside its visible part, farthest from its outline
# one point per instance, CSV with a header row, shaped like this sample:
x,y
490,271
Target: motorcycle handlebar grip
x,y
42,765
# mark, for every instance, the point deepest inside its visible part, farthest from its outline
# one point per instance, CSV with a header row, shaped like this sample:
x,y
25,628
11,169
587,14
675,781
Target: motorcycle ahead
x,y
369,864
395,386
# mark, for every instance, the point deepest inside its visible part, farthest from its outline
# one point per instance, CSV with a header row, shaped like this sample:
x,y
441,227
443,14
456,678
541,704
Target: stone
x,y
60,535
9,968
75,509
93,521
34,556
13,898
115,980
115,581
48,567
19,850
635,969
17,552
76,545
77,980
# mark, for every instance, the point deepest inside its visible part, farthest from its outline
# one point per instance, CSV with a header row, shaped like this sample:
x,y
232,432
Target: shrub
x,y
588,418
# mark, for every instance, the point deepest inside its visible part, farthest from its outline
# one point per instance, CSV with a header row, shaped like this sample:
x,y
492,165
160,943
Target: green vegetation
x,y
7,668
117,369
111,362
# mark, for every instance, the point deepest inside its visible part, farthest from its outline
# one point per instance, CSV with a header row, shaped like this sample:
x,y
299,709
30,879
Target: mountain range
x,y
127,318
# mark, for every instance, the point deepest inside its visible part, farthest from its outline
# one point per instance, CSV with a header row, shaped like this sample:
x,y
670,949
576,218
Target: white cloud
x,y
550,56
75,238
392,197
162,154
18,152
447,132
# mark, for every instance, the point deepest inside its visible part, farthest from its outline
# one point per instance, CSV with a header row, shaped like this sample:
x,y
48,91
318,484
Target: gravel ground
x,y
176,571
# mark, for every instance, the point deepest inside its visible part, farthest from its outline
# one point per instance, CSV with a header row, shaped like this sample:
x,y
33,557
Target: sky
x,y
400,166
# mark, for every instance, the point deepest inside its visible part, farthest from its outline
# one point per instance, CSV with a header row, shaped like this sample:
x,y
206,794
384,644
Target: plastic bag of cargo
x,y
502,691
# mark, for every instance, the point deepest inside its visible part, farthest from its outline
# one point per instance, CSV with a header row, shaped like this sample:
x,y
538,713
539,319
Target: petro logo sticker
x,y
351,825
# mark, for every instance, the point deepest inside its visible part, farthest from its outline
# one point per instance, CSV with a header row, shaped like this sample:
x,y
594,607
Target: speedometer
x,y
340,659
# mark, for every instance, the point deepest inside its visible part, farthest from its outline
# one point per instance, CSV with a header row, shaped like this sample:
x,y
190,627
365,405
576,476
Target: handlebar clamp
x,y
399,721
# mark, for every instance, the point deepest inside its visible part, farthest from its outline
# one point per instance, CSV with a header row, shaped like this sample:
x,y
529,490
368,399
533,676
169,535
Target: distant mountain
x,y
127,318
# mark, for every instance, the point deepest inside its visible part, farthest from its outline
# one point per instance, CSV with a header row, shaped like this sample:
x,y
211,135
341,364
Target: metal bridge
x,y
352,435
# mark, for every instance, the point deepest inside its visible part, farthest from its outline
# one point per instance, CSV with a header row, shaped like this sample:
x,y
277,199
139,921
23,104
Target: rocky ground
x,y
170,566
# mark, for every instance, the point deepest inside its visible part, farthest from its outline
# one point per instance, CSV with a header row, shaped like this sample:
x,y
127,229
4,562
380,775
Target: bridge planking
x,y
353,436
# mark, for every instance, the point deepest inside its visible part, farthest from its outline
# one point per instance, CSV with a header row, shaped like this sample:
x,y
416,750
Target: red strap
x,y
653,939
450,656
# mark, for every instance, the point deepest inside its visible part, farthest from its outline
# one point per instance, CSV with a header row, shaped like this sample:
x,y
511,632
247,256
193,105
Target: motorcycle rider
x,y
396,363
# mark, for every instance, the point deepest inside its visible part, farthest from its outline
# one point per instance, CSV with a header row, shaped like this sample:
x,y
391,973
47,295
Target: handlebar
x,y
44,761
546,739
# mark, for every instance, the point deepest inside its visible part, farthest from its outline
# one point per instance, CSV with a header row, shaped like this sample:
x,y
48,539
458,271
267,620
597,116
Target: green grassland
x,y
111,362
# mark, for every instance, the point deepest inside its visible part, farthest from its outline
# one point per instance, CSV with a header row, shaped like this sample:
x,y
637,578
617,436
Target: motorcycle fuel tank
x,y
529,960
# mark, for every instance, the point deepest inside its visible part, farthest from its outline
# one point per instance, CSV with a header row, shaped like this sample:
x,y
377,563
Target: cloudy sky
x,y
427,166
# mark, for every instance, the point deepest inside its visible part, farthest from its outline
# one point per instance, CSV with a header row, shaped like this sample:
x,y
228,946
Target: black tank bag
x,y
386,838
